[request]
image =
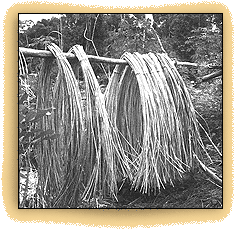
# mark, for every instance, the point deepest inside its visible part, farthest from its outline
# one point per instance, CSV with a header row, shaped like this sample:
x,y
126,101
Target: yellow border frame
x,y
112,218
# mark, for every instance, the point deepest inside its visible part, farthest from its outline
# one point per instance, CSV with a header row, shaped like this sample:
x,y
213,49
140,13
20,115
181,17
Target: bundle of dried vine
x,y
102,159
148,103
57,157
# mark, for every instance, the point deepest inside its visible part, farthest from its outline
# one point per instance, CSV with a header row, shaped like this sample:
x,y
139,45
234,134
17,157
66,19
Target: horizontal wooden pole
x,y
45,54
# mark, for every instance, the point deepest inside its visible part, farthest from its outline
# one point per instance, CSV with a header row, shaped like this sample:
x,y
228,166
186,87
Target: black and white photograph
x,y
120,111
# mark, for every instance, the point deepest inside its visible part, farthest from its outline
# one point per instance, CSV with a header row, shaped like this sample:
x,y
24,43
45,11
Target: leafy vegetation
x,y
185,37
30,135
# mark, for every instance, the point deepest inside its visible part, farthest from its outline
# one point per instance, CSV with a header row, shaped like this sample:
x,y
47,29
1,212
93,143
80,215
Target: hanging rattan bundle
x,y
56,157
148,103
102,155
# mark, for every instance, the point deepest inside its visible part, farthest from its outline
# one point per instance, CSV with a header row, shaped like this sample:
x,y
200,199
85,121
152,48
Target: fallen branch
x,y
186,63
212,75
